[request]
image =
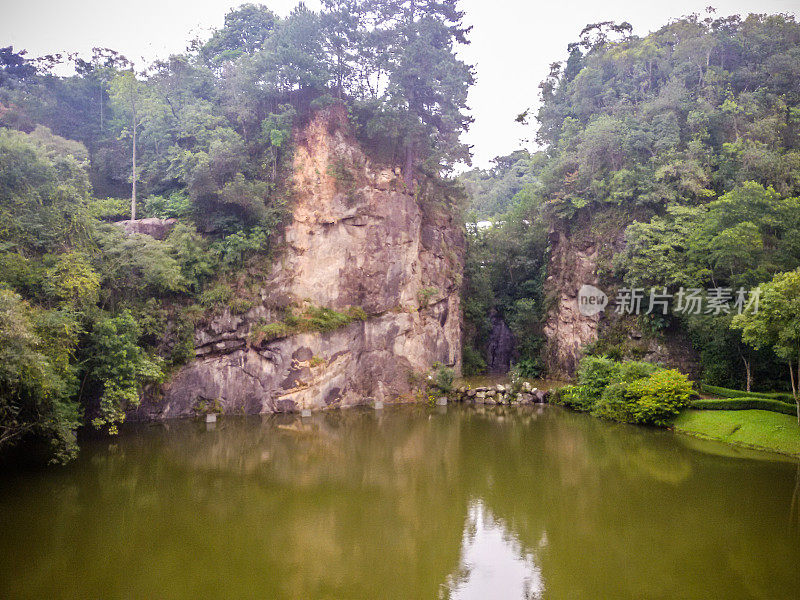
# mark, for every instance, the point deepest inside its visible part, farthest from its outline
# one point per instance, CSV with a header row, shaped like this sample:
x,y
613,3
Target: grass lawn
x,y
751,428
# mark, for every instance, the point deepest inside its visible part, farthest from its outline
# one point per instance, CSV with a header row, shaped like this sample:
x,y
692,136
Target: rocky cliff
x,y
581,253
573,263
357,238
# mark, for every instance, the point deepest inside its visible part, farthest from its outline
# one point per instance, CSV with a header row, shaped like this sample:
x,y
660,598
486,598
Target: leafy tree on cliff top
x,y
402,71
429,82
245,31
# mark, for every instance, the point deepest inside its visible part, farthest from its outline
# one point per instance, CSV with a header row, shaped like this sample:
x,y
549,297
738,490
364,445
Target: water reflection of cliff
x,y
406,503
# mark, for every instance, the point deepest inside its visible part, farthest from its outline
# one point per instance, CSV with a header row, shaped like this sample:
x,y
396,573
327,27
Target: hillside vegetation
x,y
688,140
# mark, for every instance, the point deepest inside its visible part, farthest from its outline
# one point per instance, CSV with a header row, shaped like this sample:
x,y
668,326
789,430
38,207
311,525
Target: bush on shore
x,y
629,391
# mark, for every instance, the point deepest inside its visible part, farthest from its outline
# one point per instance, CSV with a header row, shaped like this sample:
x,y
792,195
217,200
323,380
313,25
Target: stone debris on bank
x,y
499,394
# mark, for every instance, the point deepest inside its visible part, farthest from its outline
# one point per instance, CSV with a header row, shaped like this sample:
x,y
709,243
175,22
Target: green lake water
x,y
409,502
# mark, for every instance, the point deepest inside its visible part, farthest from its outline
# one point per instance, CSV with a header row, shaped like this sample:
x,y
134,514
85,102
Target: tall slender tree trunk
x,y
748,373
339,77
794,390
133,174
747,370
796,394
408,169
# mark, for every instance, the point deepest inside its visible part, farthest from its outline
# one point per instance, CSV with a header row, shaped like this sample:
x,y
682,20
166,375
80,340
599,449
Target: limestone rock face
x,y
566,330
501,347
357,238
155,228
579,251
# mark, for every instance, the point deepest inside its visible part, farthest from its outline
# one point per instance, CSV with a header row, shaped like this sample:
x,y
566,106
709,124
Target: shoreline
x,y
752,429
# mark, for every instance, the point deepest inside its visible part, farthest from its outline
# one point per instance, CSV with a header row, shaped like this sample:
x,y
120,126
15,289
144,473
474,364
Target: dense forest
x,y
687,141
91,315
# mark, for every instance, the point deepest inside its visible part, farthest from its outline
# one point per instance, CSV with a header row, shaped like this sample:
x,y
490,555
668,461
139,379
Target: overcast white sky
x,y
513,41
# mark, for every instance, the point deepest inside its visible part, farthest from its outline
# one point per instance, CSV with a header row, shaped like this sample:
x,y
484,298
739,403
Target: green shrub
x,y
576,397
425,295
239,306
631,370
265,332
746,404
36,378
176,205
614,404
216,296
630,391
472,362
231,251
183,350
598,372
207,406
659,397
309,318
342,172
291,319
443,377
651,400
120,367
357,313
190,250
110,209
345,175
528,367
595,373
193,313
325,319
